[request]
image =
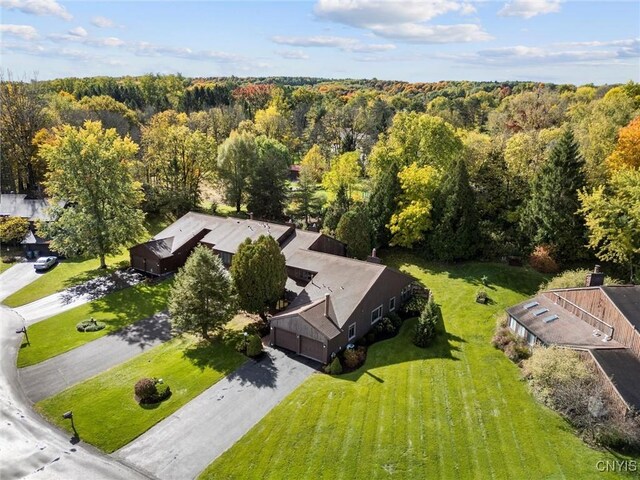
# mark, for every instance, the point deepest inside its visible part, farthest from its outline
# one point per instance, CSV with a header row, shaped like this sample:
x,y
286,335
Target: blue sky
x,y
414,40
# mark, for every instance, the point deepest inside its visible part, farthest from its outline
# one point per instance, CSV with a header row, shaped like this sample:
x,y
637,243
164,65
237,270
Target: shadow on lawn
x,y
400,349
521,280
208,355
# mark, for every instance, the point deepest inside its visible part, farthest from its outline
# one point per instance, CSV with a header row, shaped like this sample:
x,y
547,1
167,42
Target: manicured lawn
x,y
104,410
5,266
72,272
456,410
58,334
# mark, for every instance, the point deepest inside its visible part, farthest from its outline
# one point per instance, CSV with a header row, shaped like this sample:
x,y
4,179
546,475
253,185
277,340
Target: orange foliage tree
x,y
627,151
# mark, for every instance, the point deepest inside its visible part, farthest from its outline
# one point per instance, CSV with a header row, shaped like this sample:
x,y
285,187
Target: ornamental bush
x,y
354,357
254,346
335,367
146,390
425,330
90,326
542,260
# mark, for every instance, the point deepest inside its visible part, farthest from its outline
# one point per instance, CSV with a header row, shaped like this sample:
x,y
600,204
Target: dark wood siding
x,y
312,349
285,339
327,244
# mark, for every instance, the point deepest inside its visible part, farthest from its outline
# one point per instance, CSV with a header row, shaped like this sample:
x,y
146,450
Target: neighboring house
x,y
34,210
603,322
335,300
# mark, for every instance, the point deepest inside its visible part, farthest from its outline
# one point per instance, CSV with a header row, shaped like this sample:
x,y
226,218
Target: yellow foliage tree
x,y
627,151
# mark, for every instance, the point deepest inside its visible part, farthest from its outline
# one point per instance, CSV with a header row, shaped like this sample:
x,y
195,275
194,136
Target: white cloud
x,y
77,37
102,22
343,43
529,8
292,54
37,7
26,32
403,20
78,32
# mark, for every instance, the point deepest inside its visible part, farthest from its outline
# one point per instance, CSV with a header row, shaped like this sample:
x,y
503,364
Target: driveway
x,y
60,372
77,295
16,277
31,448
182,445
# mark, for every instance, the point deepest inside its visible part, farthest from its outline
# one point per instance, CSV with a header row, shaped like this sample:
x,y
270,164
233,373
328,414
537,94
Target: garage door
x,y
312,349
286,340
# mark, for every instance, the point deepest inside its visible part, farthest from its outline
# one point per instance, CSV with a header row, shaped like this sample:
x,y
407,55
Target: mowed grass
x,y
456,410
104,409
58,334
70,272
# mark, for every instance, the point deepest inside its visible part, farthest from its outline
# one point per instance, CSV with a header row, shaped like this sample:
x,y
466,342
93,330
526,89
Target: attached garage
x,y
312,349
285,339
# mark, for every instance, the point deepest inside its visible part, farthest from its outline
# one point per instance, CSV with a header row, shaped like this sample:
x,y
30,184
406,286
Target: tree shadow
x,y
95,287
261,373
214,355
146,332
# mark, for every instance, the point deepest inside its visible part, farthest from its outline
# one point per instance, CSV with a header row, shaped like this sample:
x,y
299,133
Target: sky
x,y
413,40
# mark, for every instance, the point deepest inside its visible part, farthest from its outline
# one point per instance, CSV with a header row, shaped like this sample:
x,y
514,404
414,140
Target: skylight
x,y
550,318
540,311
531,305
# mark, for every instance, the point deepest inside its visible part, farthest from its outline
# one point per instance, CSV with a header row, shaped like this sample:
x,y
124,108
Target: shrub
x,y
414,306
517,350
146,390
335,367
8,259
354,357
164,392
425,330
371,338
384,328
254,346
542,259
482,297
396,320
90,326
573,278
502,337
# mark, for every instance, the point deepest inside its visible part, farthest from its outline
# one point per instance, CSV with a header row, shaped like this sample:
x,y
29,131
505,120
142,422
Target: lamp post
x,y
26,335
246,341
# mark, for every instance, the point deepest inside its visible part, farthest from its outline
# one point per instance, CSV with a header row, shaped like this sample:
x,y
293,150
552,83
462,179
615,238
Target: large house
x,y
335,299
601,321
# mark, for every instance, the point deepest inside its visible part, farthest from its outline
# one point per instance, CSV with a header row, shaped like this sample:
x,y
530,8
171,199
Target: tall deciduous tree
x,y
612,216
315,163
259,274
202,299
383,202
21,117
551,215
344,172
627,151
267,181
235,157
90,170
455,235
13,229
354,229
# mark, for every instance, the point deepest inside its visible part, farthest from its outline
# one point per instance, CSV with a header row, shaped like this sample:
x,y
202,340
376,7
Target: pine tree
x,y
304,201
426,328
551,214
383,203
337,209
267,185
456,232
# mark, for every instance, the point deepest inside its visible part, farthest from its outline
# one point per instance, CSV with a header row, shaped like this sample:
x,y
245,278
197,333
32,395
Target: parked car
x,y
45,263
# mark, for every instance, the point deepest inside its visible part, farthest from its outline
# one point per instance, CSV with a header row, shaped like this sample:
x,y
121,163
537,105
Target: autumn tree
x,y
21,118
315,163
267,179
259,274
13,229
354,230
235,157
90,171
612,215
551,214
344,173
202,300
627,151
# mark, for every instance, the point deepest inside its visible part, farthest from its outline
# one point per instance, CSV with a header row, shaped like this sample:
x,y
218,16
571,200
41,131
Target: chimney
x,y
250,215
373,258
595,278
327,302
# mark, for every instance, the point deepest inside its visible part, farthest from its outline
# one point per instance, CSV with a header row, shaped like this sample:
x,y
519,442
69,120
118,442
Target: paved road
x,y
58,373
182,445
16,277
30,447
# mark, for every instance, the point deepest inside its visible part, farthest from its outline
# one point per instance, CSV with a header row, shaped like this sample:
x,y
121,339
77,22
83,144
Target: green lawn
x,y
104,410
58,334
456,410
70,272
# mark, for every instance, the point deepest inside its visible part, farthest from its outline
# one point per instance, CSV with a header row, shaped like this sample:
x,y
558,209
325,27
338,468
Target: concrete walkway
x,y
16,277
52,376
30,447
182,445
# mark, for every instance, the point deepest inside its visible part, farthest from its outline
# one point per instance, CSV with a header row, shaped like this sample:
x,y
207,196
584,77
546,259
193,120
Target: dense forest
x,y
454,170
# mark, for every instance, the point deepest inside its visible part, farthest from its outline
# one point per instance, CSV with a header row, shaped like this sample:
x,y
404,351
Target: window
x,y
521,331
352,331
531,339
512,323
392,304
406,292
376,315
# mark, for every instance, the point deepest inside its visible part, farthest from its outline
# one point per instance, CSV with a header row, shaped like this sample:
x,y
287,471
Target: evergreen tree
x,y
304,201
259,273
551,214
456,233
267,185
337,209
201,299
425,330
354,229
383,203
